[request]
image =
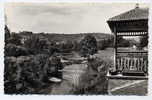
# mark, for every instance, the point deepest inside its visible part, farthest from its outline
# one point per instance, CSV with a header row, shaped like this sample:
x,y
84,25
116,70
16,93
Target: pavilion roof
x,y
134,14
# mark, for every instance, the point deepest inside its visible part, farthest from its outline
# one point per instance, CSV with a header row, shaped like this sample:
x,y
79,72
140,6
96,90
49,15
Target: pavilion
x,y
130,24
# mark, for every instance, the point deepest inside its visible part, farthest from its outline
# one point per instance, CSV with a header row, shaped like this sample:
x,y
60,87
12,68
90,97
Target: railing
x,y
132,62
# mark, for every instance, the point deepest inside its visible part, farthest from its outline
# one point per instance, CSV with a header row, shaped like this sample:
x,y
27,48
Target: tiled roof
x,y
134,14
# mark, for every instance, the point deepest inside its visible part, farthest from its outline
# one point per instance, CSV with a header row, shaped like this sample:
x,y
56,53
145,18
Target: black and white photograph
x,y
76,48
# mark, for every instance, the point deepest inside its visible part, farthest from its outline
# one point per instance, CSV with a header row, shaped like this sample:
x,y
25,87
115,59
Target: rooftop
x,y
134,14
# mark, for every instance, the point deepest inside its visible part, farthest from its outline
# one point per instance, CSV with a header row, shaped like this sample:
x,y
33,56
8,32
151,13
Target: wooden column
x,y
115,46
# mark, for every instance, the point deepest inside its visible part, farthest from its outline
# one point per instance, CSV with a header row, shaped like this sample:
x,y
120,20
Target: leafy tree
x,y
66,46
144,41
13,50
15,39
53,66
25,74
103,44
26,33
40,45
88,45
36,44
121,42
7,34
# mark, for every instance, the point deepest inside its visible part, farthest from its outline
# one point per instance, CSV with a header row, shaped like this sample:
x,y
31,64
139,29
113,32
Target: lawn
x,y
128,87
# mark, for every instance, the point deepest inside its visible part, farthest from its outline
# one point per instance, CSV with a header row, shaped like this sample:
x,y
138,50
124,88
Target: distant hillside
x,y
64,37
75,37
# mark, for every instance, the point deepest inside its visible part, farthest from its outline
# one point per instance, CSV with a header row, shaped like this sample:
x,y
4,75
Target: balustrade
x,y
132,63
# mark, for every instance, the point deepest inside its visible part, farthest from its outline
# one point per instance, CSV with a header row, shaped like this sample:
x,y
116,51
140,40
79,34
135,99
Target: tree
x,y
144,41
53,66
25,74
88,46
40,45
102,44
14,50
15,39
7,34
121,42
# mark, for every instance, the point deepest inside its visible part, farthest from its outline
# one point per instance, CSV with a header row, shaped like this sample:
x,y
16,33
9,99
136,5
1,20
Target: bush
x,y
94,80
7,34
88,46
13,50
14,39
121,42
29,74
143,42
39,45
53,66
11,72
102,44
22,75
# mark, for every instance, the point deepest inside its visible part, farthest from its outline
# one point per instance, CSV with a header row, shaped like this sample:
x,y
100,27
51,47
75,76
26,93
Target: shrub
x,y
29,74
7,34
53,66
37,44
102,44
88,45
121,42
13,50
24,74
143,42
11,72
14,39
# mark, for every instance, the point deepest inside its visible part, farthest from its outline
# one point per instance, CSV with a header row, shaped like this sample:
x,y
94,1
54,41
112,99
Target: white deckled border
x,y
44,97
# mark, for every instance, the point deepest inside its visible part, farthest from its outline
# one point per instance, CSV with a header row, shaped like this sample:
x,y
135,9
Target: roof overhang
x,y
129,26
135,20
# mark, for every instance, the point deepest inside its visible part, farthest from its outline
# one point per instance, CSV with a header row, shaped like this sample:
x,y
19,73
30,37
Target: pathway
x,y
71,76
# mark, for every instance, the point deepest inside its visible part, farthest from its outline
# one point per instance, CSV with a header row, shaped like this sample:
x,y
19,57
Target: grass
x,y
135,89
71,76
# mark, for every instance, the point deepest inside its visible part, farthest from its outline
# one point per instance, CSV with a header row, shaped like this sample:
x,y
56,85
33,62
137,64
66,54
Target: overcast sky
x,y
63,17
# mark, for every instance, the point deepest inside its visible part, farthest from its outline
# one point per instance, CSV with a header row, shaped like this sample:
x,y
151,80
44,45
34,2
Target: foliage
x,y
28,74
75,39
103,44
7,34
13,50
56,65
67,46
88,45
27,33
143,42
94,80
38,45
14,39
121,42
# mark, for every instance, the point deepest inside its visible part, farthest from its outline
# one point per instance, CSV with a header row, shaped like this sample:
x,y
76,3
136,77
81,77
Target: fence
x,y
132,62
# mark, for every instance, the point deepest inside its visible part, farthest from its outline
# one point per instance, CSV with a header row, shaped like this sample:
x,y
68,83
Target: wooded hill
x,y
69,37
